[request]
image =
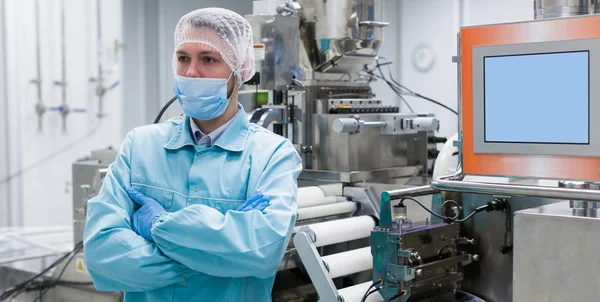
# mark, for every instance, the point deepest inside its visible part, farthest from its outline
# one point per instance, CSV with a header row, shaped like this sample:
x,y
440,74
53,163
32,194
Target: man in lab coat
x,y
199,208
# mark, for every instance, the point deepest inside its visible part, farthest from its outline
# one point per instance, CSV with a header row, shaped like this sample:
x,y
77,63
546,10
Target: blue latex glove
x,y
256,202
142,218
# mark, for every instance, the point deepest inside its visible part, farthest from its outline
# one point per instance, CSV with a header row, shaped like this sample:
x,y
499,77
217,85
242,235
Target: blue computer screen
x,y
537,98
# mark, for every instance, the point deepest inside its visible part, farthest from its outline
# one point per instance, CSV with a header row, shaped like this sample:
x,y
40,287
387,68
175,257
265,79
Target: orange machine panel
x,y
528,166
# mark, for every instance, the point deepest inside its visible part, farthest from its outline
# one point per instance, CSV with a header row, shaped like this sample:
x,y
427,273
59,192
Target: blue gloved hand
x,y
142,218
256,202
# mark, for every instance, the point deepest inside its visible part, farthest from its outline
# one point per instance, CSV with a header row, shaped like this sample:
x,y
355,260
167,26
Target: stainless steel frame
x,y
444,184
555,255
357,176
336,31
88,175
564,8
280,37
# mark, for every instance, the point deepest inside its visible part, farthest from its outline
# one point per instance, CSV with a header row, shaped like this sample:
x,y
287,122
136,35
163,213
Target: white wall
x,y
478,12
42,195
388,50
435,23
5,209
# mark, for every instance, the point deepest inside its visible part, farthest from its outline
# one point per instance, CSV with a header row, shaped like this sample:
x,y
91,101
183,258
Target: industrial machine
x,y
314,68
515,158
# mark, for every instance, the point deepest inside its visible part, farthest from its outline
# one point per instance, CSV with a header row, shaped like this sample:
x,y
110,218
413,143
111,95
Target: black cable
x,y
393,298
494,205
435,102
395,89
9,292
77,248
392,87
22,286
47,285
36,286
467,218
507,247
412,93
458,207
445,218
164,108
75,283
368,292
388,63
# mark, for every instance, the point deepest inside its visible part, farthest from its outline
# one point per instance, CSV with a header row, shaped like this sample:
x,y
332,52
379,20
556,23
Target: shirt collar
x,y
232,138
203,139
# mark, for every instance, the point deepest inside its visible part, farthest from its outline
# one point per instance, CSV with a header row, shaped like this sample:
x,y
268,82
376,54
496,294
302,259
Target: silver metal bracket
x,y
318,272
397,273
457,144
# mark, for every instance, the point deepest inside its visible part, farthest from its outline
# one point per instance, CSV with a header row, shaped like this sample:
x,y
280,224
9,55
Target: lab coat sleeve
x,y
237,244
116,257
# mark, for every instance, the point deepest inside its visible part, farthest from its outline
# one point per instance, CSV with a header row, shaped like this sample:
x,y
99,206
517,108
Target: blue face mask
x,y
202,98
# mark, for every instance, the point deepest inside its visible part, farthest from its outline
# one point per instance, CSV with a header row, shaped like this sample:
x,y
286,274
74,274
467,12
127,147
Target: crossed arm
x,y
234,244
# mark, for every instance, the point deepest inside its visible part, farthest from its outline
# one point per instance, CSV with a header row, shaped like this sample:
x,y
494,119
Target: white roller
x,y
306,203
446,163
327,210
350,262
309,193
341,230
332,189
356,292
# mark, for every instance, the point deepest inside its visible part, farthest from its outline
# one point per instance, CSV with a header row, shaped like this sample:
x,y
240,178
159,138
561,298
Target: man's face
x,y
197,60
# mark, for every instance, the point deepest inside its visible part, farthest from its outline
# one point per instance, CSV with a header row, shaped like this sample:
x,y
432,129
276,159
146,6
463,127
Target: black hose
x,y
162,111
494,205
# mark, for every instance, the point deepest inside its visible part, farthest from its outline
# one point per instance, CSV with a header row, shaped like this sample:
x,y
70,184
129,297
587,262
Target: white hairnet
x,y
225,31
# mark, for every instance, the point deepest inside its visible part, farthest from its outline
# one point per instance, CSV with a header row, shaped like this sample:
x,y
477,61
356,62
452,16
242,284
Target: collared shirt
x,y
203,139
204,248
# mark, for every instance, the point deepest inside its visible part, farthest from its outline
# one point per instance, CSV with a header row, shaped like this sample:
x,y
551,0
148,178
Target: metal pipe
x,y
100,89
64,58
447,183
3,84
385,214
412,192
515,190
40,108
374,124
65,107
99,36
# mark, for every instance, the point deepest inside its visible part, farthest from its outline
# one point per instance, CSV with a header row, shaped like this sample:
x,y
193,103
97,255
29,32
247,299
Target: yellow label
x,y
80,265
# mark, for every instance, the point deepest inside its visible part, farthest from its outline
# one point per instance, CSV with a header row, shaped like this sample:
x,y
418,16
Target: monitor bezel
x,y
592,148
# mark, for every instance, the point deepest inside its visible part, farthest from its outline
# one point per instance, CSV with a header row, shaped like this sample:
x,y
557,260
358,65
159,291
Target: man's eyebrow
x,y
199,54
207,52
